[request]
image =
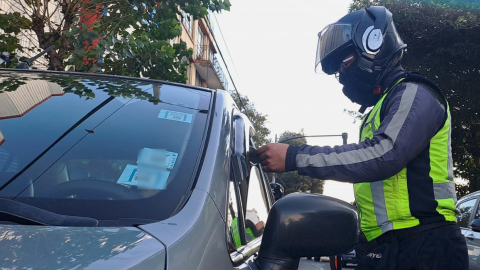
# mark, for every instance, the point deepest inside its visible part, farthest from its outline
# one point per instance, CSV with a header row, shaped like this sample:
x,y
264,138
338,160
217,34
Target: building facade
x,y
205,69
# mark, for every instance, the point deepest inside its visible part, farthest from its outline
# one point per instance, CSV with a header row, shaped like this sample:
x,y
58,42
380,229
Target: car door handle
x,y
470,237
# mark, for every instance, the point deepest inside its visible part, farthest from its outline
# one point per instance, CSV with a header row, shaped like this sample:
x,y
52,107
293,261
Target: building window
x,y
200,36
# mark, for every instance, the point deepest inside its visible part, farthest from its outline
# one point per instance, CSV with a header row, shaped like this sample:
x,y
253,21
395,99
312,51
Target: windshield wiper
x,y
25,214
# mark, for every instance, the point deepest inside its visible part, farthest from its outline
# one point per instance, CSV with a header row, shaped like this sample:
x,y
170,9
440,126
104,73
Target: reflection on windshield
x,y
26,96
17,101
82,145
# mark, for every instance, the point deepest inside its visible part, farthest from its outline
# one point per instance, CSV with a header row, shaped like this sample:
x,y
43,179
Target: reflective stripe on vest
x,y
384,205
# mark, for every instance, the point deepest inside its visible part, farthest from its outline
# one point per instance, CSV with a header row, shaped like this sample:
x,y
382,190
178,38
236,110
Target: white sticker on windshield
x,y
152,169
151,178
176,116
158,158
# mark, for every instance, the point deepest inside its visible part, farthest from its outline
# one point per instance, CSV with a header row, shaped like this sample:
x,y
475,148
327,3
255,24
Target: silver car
x,y
104,172
469,221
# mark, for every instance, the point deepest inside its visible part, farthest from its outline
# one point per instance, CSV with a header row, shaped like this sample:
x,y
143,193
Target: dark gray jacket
x,y
408,124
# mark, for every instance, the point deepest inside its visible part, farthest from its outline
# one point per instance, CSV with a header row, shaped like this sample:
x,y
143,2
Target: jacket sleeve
x,y
413,115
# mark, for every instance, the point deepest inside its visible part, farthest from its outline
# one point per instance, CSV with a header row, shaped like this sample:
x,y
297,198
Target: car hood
x,y
43,247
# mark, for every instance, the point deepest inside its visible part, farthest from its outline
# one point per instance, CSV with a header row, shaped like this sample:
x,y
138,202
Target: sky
x,y
269,47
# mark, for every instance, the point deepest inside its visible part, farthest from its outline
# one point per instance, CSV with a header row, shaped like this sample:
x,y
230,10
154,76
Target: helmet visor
x,y
330,39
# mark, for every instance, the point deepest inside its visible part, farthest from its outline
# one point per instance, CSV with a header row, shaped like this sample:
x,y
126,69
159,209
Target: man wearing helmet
x,y
402,166
277,190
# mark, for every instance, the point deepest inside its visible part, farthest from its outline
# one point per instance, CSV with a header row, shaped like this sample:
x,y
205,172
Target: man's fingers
x,y
262,149
272,157
263,156
264,162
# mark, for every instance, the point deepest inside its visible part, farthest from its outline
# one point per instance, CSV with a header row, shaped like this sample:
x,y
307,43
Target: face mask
x,y
358,86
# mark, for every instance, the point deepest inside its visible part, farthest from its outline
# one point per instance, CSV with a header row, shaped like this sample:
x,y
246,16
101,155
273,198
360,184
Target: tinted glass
x,y
257,211
233,236
465,209
477,214
99,147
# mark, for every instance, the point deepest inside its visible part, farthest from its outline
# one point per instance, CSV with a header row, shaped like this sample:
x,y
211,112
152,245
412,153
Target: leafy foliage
x,y
124,37
258,119
82,88
11,25
292,181
357,116
443,40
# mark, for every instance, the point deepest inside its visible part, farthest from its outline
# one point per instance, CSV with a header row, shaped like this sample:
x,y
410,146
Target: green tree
x,y
258,119
123,37
292,181
443,38
11,25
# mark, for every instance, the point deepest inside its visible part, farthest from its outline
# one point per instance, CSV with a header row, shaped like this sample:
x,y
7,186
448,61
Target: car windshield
x,y
118,150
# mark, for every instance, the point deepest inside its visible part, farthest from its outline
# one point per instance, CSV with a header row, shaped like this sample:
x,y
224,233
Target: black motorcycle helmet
x,y
370,35
278,190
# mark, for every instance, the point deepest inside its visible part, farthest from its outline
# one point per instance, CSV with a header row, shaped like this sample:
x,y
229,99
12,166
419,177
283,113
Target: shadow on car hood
x,y
40,247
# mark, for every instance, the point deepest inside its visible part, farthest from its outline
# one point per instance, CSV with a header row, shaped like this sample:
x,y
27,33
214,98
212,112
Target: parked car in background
x,y
106,172
469,221
349,258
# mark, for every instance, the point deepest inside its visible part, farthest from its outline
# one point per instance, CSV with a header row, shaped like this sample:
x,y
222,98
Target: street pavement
x,y
312,265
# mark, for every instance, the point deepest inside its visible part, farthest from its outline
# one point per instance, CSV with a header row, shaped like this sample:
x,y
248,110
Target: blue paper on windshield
x,y
144,177
128,176
176,116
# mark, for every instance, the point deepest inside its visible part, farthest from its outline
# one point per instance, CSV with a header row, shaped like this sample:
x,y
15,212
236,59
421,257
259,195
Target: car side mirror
x,y
307,225
475,225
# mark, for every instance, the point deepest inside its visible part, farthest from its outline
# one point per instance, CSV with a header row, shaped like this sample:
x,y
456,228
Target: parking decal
x,y
175,116
152,169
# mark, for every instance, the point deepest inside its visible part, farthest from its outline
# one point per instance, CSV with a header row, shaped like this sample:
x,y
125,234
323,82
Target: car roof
x,y
469,196
103,76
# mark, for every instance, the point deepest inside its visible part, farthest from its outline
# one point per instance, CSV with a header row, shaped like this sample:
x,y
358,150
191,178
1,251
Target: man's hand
x,y
273,157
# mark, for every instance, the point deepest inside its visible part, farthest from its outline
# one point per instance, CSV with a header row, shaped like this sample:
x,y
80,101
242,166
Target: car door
x,y
251,222
249,200
468,210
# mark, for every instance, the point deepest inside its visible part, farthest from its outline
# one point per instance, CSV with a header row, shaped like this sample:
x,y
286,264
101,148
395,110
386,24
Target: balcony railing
x,y
205,53
187,22
209,22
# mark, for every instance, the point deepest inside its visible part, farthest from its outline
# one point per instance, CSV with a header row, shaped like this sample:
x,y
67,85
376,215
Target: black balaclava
x,y
359,86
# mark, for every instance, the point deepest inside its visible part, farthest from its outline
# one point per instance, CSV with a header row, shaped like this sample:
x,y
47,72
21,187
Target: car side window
x,y
466,209
477,214
233,236
257,211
